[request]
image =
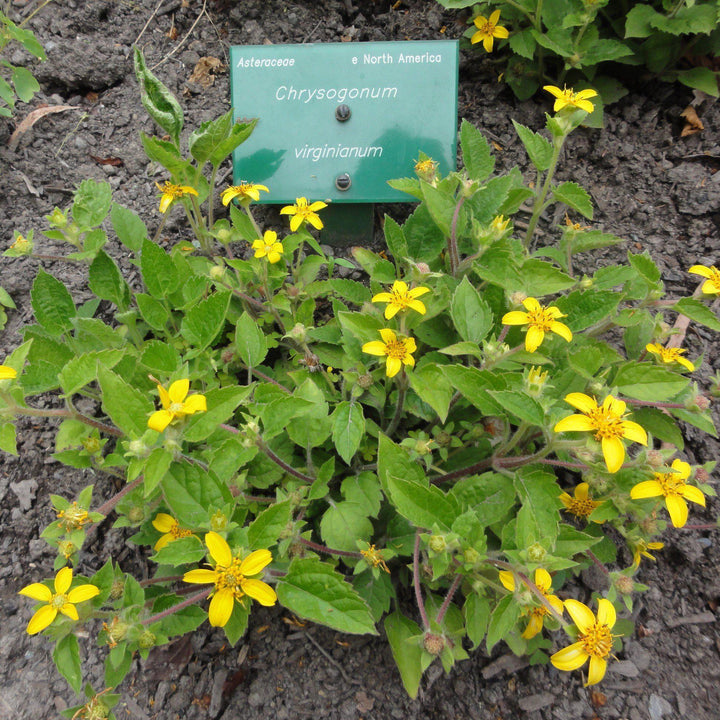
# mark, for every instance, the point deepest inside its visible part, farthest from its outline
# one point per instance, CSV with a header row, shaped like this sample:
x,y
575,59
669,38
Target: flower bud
x,y
655,458
218,521
57,218
422,268
298,333
701,402
586,282
433,643
365,381
146,640
116,631
471,556
224,236
437,543
292,291
702,475
91,444
67,548
117,589
138,449
21,246
426,170
217,271
536,553
624,584
136,514
517,298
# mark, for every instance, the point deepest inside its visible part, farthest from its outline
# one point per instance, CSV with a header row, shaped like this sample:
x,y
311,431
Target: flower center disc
x,y
395,349
541,319
598,641
607,425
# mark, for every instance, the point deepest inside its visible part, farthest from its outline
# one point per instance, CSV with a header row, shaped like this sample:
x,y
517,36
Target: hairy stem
x,y
327,550
416,583
175,608
446,602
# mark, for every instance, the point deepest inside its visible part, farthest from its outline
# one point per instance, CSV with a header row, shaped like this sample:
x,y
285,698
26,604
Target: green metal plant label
x,y
337,121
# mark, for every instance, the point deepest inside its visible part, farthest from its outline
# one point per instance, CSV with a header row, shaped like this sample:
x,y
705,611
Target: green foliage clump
x,y
16,82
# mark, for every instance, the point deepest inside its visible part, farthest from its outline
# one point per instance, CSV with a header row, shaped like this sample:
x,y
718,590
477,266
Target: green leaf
x,y
644,265
592,240
697,311
433,388
180,552
363,489
541,278
477,616
490,495
126,406
396,460
700,78
539,149
584,309
158,270
239,133
242,223
638,22
503,619
473,384
52,303
221,404
425,240
402,634
343,524
441,207
699,420
152,311
107,282
348,429
159,102
520,405
25,83
8,442
644,381
92,203
236,627
523,43
192,494
128,226
205,139
424,506
539,493
659,425
395,239
203,321
250,341
470,312
265,530
574,197
314,590
156,465
160,357
81,369
476,153
277,414
66,656
167,155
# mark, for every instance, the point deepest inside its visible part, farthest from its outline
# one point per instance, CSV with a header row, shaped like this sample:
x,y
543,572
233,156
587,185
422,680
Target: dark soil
x,y
659,191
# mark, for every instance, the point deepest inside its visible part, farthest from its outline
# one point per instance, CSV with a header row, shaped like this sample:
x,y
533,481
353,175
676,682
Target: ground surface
x,y
650,186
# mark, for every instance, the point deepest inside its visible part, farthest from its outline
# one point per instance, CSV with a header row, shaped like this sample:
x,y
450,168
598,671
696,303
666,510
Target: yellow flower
x,y
268,247
580,503
670,355
608,424
175,404
73,517
171,527
171,193
567,98
672,486
59,601
7,373
21,246
400,298
543,582
711,286
487,30
397,349
374,558
302,212
594,641
640,550
540,320
231,580
426,170
499,224
245,191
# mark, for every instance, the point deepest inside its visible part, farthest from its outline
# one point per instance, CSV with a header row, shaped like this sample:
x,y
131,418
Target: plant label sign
x,y
338,120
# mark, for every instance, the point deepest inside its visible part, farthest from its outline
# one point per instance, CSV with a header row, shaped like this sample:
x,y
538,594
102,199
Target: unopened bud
x,y
218,521
136,514
365,381
138,449
146,640
117,589
586,282
471,556
437,543
227,355
701,402
624,584
224,235
516,298
422,268
217,271
702,475
433,643
292,291
57,218
536,553
67,548
92,445
298,333
655,458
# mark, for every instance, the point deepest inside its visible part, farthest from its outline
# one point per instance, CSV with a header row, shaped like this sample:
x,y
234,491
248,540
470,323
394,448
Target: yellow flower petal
x,y
163,541
417,306
515,317
200,577
535,625
500,32
570,658
81,593
701,270
606,613
63,580
164,523
562,330
574,423
70,611
260,591
581,491
195,403
581,615
7,373
580,401
41,619
295,222
255,562
494,17
596,671
533,338
159,420
555,91
37,591
387,335
693,494
392,366
613,452
219,549
375,347
646,489
164,397
221,607
683,469
418,292
507,579
543,579
633,431
382,297
177,392
678,509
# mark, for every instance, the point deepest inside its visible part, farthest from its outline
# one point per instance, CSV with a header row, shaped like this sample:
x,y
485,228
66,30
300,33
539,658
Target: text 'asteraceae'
x,y
539,320
232,578
607,422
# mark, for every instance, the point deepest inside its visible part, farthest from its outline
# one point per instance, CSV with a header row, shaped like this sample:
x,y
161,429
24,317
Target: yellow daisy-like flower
x,y
232,579
374,558
543,582
670,355
567,98
580,503
400,298
398,351
303,213
171,193
59,601
607,422
245,192
540,320
176,404
7,373
594,641
672,486
711,286
487,29
268,247
167,524
640,550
